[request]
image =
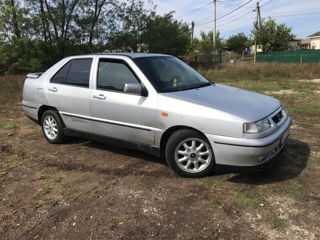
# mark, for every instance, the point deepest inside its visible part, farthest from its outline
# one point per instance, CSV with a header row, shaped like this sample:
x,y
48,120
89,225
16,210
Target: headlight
x,y
257,127
285,112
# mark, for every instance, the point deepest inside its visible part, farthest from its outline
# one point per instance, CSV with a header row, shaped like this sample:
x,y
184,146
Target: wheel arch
x,y
44,108
167,134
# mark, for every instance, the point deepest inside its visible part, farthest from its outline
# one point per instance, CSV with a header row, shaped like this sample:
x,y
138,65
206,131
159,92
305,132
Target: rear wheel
x,y
189,154
52,127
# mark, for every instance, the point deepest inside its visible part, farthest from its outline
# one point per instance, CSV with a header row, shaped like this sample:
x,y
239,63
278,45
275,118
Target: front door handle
x,y
54,89
100,96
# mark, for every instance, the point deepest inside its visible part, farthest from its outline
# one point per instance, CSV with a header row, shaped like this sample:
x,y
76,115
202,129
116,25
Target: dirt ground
x,y
87,190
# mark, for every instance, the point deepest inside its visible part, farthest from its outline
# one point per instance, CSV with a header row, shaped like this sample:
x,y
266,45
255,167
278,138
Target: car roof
x,y
130,55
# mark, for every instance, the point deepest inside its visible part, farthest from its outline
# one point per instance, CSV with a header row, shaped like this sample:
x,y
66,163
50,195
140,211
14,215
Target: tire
x,y
52,127
184,156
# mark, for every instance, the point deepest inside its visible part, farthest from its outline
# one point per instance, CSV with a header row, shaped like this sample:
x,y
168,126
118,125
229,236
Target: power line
x,y
226,22
292,12
266,3
196,9
286,15
232,11
235,19
207,21
299,14
232,20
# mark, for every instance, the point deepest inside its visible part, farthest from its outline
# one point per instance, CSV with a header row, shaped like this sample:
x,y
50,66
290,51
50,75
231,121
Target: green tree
x,y
272,36
14,20
34,34
131,23
147,31
206,42
194,46
95,19
166,35
237,43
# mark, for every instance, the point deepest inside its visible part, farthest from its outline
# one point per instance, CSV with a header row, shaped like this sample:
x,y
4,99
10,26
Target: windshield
x,y
169,74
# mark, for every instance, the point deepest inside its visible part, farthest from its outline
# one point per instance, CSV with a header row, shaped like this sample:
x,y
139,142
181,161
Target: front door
x,y
116,113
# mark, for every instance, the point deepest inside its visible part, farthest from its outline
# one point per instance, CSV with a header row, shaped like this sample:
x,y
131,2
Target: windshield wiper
x,y
197,86
190,87
206,84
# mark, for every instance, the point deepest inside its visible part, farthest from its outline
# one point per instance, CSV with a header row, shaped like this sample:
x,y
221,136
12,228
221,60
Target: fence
x,y
303,56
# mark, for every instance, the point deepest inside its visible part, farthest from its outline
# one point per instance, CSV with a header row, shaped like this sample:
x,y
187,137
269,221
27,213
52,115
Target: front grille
x,y
277,118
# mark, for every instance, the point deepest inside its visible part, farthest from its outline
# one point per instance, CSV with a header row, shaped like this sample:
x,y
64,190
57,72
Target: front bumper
x,y
244,152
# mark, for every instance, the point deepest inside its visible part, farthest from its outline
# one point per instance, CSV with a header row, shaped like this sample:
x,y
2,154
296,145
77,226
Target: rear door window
x,y
76,72
79,72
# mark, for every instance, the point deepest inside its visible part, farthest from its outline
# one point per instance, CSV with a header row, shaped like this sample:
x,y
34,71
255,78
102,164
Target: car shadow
x,y
123,150
134,167
290,164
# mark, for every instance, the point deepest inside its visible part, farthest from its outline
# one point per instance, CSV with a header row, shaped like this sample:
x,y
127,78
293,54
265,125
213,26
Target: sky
x,y
303,16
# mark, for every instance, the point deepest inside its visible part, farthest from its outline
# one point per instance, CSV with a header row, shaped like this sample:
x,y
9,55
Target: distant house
x,y
295,44
259,48
305,45
314,40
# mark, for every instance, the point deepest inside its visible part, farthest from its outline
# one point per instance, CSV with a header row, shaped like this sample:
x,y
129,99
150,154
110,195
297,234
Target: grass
x,y
44,177
314,159
212,184
268,78
247,198
262,71
11,88
2,177
47,172
276,222
222,196
8,126
310,109
292,191
217,204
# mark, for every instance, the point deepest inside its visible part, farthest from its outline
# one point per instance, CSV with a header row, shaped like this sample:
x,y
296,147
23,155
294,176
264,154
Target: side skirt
x,y
113,141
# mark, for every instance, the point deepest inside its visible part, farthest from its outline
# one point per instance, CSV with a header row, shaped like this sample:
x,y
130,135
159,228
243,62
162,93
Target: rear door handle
x,y
54,89
100,96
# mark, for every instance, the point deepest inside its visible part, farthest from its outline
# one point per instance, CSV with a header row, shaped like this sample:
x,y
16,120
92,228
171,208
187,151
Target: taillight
x,y
23,86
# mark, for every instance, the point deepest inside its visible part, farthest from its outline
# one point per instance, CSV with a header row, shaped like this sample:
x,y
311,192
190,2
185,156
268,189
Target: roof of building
x,y
295,39
306,41
317,34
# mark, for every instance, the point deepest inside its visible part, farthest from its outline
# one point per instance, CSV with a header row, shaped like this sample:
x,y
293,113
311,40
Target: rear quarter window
x,y
60,76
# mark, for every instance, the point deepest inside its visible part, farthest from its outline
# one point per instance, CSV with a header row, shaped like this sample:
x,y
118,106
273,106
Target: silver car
x,y
157,103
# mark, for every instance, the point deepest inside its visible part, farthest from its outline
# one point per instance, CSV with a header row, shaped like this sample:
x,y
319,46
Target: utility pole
x,y
258,18
192,31
214,23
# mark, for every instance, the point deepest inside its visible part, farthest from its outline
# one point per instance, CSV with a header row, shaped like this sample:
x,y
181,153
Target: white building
x,y
315,40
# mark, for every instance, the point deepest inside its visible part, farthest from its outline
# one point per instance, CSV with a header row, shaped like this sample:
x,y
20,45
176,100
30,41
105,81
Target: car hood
x,y
248,105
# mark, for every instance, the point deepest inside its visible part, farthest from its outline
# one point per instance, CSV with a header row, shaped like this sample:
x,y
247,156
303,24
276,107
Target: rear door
x,y
69,92
118,114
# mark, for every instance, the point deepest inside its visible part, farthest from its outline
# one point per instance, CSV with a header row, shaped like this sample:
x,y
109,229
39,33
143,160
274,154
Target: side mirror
x,y
135,88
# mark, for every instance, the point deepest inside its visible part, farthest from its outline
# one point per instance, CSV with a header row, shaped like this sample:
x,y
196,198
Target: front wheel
x,y
189,154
